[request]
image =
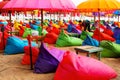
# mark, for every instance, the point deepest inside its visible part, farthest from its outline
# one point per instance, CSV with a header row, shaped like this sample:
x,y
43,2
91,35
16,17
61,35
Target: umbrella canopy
x,y
98,5
2,4
39,4
117,12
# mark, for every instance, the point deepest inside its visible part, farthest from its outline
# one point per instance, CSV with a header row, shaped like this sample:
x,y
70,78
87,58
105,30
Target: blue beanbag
x,y
48,59
116,33
90,41
15,45
35,27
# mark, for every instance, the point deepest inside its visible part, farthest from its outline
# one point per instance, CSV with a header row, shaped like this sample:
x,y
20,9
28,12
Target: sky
x,y
76,2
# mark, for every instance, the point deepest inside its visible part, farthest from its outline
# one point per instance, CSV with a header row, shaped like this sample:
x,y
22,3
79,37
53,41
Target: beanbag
x,y
40,30
75,30
64,40
55,30
48,59
118,41
74,67
84,34
26,57
116,33
3,42
69,29
111,46
27,25
27,32
102,36
35,27
106,53
90,41
21,31
108,32
44,32
15,45
50,38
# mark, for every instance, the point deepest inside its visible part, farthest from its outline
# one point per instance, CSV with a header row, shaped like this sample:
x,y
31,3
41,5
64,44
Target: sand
x,y
12,69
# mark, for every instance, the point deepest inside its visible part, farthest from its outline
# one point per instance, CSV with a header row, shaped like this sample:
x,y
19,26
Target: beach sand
x,y
12,69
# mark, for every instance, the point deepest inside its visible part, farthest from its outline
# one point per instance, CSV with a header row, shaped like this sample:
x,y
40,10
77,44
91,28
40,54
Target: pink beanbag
x,y
74,67
26,57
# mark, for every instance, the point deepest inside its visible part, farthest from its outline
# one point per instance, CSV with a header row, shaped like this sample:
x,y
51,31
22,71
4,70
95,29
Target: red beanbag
x,y
108,31
21,31
54,30
3,42
28,25
50,38
102,36
26,57
74,67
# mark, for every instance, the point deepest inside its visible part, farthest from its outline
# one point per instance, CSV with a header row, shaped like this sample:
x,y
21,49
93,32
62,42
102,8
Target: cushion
x,y
74,67
90,41
40,30
75,30
106,53
102,36
27,32
108,31
35,27
15,45
26,57
54,30
84,34
3,42
21,31
48,59
65,40
51,38
116,33
111,46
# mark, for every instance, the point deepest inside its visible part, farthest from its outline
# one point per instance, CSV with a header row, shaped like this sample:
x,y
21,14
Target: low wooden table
x,y
89,50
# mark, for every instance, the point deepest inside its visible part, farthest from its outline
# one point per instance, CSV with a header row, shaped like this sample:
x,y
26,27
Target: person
x,y
87,25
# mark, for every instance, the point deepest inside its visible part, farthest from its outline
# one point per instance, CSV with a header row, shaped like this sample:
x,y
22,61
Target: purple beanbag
x,y
74,67
48,59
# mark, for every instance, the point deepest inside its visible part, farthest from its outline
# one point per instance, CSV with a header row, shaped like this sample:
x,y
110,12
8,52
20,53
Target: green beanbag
x,y
108,53
84,34
65,40
27,32
40,30
112,47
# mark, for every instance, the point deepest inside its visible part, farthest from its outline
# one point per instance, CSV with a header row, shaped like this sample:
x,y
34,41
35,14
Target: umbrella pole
x,y
10,23
94,18
99,24
118,18
2,29
30,50
42,18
